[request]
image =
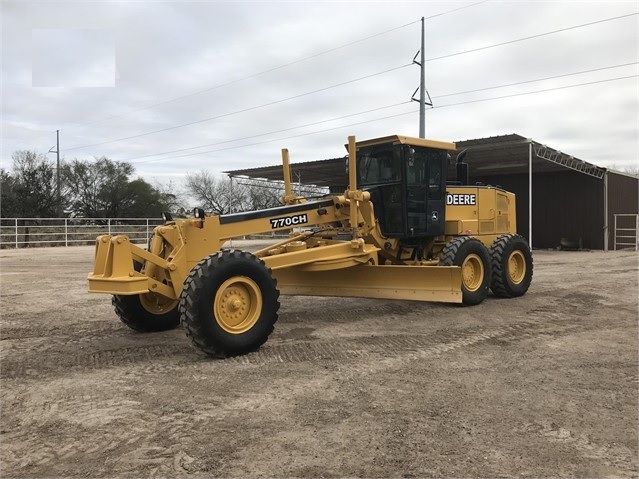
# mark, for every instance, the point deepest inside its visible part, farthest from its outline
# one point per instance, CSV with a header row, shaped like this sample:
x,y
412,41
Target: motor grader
x,y
399,231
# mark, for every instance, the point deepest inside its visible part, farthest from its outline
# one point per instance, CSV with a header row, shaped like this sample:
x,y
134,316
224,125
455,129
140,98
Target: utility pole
x,y
57,172
423,93
422,89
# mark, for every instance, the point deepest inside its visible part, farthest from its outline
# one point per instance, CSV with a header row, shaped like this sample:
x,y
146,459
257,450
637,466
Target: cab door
x,y
425,187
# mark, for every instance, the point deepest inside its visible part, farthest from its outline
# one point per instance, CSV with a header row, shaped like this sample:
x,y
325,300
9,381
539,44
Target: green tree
x,y
30,190
142,200
97,188
8,198
102,189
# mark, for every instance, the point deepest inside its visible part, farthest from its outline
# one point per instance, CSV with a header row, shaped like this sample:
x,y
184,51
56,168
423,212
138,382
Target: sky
x,y
178,87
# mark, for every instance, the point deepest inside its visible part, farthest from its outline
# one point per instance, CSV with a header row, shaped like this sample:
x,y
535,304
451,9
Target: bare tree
x,y
217,195
231,195
263,194
174,198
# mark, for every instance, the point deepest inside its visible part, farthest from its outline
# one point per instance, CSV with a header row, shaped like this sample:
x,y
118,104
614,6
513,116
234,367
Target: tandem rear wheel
x,y
229,304
512,266
474,259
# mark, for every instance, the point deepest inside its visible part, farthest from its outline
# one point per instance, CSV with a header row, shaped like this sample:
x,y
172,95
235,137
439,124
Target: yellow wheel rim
x,y
157,304
472,272
237,305
516,267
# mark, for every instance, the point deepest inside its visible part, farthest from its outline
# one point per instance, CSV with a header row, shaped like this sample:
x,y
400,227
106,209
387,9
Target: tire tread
x,y
195,326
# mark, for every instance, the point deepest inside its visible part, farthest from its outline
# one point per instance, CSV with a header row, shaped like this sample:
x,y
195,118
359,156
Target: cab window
x,y
375,166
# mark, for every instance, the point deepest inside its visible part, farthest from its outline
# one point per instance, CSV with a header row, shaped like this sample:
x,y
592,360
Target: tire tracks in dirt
x,y
387,349
365,356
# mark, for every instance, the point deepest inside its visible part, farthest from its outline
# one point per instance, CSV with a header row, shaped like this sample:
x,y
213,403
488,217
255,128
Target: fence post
x,y
66,232
147,230
109,225
16,223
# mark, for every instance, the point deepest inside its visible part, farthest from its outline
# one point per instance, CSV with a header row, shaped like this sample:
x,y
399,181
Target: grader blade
x,y
418,283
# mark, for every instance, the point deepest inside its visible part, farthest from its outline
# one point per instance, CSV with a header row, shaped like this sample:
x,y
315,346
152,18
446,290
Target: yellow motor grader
x,y
399,231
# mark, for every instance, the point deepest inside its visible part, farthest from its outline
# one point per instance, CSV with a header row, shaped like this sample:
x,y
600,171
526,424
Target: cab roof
x,y
406,140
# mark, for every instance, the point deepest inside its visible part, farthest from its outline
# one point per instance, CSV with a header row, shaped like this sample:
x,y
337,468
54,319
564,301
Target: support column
x,y
530,195
606,226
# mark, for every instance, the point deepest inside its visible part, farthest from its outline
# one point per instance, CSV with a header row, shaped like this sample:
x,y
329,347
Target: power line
x,y
451,11
533,92
270,132
530,37
248,77
391,116
344,83
270,70
375,109
278,139
243,110
536,80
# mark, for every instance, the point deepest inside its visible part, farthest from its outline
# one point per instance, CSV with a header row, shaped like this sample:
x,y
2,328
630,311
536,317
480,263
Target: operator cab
x,y
406,178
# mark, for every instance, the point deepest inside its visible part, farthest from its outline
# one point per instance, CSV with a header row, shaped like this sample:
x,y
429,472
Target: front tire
x,y
147,313
229,304
512,266
472,256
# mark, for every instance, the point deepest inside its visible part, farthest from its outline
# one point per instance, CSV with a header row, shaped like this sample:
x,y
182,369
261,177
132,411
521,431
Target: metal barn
x,y
562,201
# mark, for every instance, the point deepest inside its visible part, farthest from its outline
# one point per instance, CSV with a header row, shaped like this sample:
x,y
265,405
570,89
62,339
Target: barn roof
x,y
496,155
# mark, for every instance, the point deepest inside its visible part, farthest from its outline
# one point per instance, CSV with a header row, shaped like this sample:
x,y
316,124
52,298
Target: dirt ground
x,y
541,386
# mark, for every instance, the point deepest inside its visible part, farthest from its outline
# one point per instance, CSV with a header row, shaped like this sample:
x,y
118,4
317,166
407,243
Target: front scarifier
x,y
400,231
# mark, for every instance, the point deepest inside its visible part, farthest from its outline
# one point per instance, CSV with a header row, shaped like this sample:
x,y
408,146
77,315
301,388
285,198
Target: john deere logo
x,y
461,199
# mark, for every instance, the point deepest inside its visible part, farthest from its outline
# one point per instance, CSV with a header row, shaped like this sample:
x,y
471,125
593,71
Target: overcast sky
x,y
157,83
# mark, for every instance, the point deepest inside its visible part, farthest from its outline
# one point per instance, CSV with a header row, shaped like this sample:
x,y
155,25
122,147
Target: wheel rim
x,y
157,304
472,272
238,304
516,267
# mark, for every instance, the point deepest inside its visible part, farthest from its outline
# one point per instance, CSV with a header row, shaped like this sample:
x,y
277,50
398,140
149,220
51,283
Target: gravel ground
x,y
540,386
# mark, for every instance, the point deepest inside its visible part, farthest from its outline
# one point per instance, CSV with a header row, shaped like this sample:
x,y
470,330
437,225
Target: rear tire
x,y
512,266
147,313
229,304
472,256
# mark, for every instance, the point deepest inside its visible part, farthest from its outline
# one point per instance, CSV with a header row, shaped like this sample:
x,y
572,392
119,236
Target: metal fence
x,y
39,232
626,232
